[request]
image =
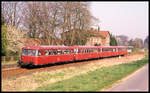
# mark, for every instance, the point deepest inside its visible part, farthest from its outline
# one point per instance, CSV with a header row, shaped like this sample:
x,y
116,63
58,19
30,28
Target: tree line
x,y
138,43
70,23
49,20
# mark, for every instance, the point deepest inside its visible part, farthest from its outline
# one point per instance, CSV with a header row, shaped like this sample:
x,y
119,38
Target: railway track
x,y
17,72
9,66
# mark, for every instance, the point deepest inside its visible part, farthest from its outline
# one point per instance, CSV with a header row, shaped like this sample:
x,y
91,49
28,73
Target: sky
x,y
122,18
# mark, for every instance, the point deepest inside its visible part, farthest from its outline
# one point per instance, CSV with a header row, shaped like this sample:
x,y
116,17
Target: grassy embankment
x,y
95,80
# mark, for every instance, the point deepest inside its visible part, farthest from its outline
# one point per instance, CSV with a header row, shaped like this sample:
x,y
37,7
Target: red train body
x,y
42,55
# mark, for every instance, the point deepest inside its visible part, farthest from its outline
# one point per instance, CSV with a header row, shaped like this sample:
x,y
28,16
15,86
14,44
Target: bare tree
x,y
14,37
30,18
42,19
52,19
77,20
12,13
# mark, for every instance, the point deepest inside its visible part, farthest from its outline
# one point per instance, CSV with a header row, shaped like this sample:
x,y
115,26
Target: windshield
x,y
28,52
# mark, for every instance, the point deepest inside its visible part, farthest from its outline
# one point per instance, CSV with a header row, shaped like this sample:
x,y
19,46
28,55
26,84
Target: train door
x,y
100,52
114,52
76,53
117,51
94,53
41,58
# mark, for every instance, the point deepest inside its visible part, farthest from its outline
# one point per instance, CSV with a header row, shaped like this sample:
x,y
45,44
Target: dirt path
x,y
8,66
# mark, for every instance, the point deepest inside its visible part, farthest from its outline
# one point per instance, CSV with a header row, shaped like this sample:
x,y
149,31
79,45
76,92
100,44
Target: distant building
x,y
100,38
122,40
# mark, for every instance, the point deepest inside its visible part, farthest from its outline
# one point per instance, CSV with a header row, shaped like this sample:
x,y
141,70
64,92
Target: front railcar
x,y
28,57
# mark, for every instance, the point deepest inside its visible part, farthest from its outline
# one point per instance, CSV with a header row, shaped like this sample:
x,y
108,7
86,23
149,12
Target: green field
x,y
95,80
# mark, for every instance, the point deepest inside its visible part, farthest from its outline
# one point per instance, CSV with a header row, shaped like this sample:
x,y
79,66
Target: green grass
x,y
95,80
43,77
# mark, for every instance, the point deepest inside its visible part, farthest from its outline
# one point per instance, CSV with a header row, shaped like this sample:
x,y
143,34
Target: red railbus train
x,y
42,55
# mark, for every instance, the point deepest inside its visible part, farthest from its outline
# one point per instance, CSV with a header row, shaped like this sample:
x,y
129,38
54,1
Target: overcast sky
x,y
122,18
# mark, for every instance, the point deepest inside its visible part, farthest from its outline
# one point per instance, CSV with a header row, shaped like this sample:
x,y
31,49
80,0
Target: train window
x,y
62,52
51,52
31,52
42,52
76,51
67,51
91,50
107,49
46,52
39,53
114,50
59,52
100,50
95,50
83,51
122,49
54,52
87,50
79,50
25,52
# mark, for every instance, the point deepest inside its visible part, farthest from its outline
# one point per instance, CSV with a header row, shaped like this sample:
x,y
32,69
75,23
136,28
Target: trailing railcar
x,y
107,51
42,55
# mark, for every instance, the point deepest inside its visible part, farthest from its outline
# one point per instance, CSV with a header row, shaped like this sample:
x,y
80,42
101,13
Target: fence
x,y
9,58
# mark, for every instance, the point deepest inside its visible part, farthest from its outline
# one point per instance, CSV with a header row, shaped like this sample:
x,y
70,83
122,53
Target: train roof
x,y
112,46
46,47
70,47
